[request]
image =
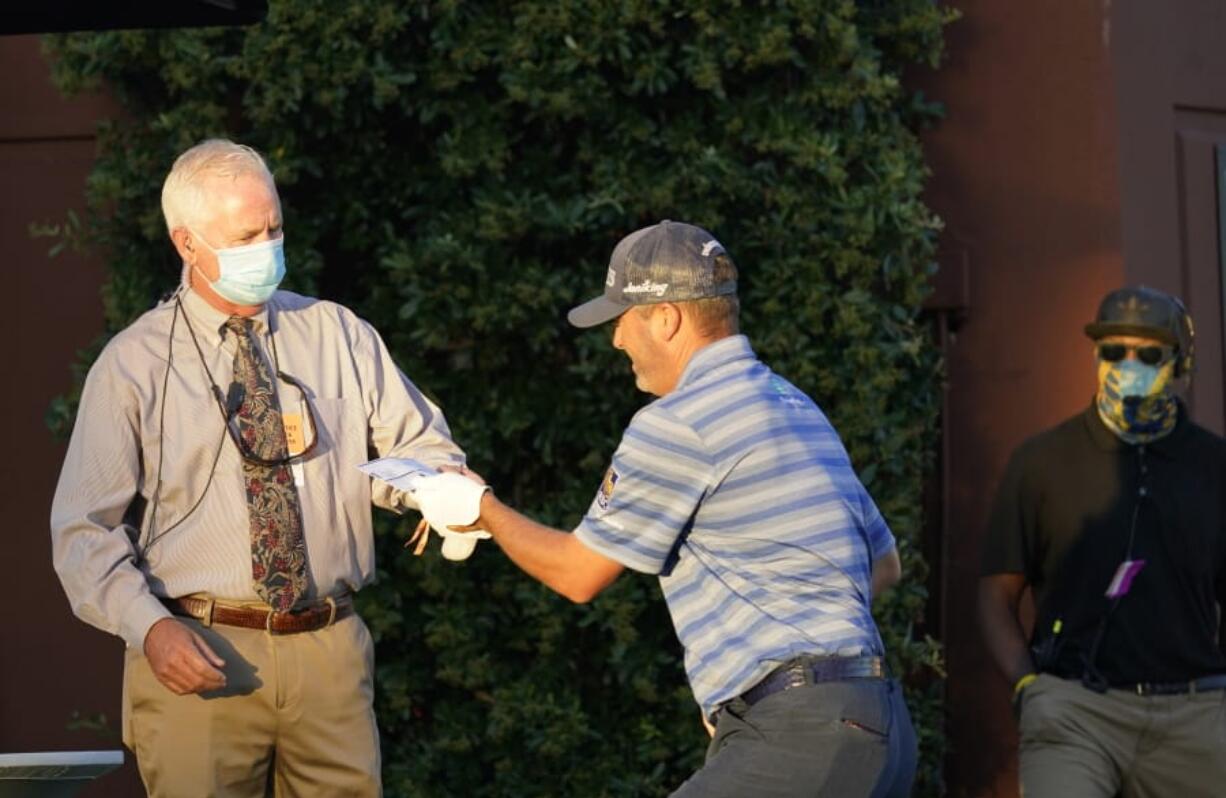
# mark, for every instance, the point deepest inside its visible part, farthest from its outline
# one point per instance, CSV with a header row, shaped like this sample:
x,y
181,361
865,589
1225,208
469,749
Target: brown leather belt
x,y
307,619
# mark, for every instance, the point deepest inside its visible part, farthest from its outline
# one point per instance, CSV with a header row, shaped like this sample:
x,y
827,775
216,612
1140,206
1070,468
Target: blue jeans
x,y
846,738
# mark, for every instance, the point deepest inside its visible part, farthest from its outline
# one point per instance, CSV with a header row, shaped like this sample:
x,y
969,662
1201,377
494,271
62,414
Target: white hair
x,y
183,196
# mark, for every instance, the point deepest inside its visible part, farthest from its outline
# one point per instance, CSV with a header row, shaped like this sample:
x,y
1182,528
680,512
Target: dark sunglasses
x,y
1149,355
235,401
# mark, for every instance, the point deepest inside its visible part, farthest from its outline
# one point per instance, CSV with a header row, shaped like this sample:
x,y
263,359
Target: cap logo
x,y
646,287
611,277
708,247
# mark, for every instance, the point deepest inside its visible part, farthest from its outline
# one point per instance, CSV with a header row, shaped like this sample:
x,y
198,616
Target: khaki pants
x,y
1077,742
295,718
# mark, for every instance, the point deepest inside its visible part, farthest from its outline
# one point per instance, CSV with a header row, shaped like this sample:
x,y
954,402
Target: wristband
x,y
1023,682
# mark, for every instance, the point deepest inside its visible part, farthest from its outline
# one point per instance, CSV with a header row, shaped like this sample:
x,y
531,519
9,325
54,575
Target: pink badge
x,y
1121,583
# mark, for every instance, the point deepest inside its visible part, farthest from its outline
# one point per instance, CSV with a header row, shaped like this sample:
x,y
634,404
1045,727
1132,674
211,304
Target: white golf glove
x,y
449,499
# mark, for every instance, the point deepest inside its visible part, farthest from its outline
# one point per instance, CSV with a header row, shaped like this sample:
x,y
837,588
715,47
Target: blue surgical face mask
x,y
248,275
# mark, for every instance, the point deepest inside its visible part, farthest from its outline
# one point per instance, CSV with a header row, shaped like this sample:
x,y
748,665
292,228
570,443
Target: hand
x,y
463,471
421,534
449,500
478,525
181,660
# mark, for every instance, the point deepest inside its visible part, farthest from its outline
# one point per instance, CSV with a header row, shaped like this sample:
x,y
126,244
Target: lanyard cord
x,y
157,492
1091,677
143,547
217,395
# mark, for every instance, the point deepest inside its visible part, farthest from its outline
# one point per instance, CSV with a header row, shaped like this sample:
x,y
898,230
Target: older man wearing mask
x,y
1115,519
210,514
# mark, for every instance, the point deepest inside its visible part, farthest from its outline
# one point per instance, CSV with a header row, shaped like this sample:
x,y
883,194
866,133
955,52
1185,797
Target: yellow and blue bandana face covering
x,y
1135,400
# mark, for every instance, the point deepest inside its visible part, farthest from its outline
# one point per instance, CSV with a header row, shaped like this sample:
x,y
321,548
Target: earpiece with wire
x,y
229,404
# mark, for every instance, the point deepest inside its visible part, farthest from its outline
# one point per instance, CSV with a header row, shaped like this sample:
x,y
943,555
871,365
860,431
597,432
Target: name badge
x,y
295,435
1121,583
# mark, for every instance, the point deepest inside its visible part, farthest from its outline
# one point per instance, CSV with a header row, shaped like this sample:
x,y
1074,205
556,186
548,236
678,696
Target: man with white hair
x,y
209,512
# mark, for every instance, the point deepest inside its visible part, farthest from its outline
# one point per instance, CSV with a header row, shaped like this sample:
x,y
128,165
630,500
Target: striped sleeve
x,y
880,538
659,474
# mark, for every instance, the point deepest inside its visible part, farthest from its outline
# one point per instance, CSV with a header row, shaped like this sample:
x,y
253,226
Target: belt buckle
x,y
797,674
328,600
206,616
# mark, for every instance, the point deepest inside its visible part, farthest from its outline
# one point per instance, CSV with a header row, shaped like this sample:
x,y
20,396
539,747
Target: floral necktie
x,y
278,553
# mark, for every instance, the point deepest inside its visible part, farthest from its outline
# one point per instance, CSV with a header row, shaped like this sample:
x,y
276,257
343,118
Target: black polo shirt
x,y
1063,517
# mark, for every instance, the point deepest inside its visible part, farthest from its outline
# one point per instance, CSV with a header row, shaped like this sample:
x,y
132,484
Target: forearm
x,y
1008,648
427,439
551,556
92,547
887,571
103,585
1002,632
401,421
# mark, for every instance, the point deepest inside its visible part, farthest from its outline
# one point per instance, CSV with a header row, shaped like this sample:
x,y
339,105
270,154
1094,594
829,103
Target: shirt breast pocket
x,y
337,425
328,473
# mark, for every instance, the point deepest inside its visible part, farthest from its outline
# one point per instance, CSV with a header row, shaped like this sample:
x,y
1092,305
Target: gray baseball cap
x,y
667,262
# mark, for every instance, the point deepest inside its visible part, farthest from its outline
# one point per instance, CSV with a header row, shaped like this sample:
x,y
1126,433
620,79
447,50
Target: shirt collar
x,y
715,355
1169,445
209,321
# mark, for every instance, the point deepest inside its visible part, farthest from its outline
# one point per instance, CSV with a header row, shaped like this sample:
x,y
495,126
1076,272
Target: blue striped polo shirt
x,y
736,490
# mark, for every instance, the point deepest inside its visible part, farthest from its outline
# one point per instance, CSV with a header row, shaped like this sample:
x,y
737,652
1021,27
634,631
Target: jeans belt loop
x,y
331,611
268,621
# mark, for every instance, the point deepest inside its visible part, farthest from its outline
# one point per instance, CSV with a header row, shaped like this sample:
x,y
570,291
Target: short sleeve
x,y
880,538
659,474
1005,543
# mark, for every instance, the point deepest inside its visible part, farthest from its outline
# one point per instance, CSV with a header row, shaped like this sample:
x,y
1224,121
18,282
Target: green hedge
x,y
458,174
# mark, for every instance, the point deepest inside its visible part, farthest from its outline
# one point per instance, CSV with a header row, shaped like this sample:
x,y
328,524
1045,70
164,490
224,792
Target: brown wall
x,y
1077,155
51,664
1024,175
1170,61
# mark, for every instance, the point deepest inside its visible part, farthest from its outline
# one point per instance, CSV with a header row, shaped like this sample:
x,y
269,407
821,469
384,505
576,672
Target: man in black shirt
x,y
1116,519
